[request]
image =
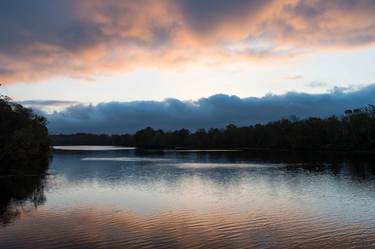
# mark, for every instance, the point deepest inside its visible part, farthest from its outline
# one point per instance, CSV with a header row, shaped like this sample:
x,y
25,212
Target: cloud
x,y
207,16
47,106
316,84
80,38
331,23
47,102
295,77
215,111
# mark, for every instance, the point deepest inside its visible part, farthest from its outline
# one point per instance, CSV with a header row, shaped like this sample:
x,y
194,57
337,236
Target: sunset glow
x,y
102,51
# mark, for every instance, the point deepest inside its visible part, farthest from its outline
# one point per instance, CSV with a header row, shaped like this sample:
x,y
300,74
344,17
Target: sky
x,y
134,58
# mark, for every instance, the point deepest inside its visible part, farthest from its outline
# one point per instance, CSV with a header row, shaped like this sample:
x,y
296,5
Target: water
x,y
101,198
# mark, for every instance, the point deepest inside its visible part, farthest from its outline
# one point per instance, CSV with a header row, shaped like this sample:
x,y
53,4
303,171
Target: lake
x,y
105,197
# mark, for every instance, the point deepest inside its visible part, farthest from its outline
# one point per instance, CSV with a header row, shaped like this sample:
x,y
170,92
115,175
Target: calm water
x,y
180,199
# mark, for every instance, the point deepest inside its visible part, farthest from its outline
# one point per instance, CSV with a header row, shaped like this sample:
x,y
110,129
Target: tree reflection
x,y
19,192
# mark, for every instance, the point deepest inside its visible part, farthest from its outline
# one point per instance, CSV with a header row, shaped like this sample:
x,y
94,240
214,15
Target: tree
x,y
24,142
355,130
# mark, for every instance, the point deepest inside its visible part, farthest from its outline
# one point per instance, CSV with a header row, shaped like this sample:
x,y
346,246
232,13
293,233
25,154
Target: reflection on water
x,y
91,148
17,193
206,199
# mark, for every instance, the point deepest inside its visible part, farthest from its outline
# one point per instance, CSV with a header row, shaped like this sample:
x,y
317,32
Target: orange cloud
x,y
84,38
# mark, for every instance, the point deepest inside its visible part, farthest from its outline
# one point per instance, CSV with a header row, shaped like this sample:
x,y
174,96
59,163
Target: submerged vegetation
x,y
354,131
24,142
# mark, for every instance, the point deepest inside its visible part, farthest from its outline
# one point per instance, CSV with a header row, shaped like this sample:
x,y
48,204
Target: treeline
x,y
24,142
355,130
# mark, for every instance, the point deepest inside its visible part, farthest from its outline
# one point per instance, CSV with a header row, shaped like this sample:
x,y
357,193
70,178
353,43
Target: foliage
x,y
24,142
355,130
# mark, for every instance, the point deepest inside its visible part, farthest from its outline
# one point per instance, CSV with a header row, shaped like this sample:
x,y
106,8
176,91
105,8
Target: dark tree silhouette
x,y
24,154
24,142
354,131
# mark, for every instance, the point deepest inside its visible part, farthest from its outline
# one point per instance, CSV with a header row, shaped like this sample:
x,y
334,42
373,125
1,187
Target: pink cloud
x,y
84,38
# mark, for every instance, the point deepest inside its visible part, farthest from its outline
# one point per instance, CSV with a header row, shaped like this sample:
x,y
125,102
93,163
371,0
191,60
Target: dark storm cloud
x,y
215,111
44,38
205,15
24,23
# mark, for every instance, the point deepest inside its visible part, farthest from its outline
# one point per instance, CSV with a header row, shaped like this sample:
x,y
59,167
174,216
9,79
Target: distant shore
x,y
354,131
